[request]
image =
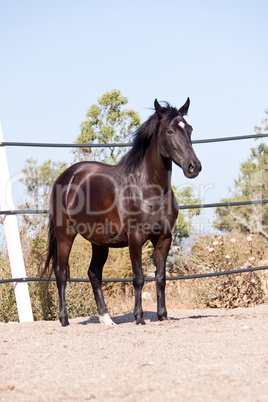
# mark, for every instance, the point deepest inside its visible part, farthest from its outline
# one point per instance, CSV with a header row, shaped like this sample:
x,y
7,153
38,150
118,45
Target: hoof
x,y
106,320
140,321
162,317
64,322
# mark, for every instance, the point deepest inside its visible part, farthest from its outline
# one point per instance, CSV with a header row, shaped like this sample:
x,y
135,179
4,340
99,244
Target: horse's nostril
x,y
191,167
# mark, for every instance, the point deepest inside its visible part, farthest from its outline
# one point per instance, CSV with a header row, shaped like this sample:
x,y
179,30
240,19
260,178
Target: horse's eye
x,y
170,132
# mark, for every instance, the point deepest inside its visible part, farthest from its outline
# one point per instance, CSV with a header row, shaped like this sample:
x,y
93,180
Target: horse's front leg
x,y
135,250
161,250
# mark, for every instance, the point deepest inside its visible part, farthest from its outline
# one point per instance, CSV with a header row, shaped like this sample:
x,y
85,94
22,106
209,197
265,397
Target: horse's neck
x,y
158,169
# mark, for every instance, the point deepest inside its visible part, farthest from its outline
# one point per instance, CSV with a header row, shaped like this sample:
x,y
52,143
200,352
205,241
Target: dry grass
x,y
208,254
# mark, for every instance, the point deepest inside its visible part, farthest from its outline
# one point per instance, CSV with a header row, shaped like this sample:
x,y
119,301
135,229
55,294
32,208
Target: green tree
x,y
252,184
184,224
107,122
264,127
38,180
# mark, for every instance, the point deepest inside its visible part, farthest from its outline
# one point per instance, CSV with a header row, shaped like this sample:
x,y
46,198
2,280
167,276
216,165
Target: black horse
x,y
123,205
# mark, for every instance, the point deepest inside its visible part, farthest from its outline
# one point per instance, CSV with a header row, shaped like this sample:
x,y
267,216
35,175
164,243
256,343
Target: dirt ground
x,y
197,355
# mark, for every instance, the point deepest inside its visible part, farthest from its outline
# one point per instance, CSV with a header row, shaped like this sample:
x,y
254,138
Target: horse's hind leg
x,y
99,257
61,273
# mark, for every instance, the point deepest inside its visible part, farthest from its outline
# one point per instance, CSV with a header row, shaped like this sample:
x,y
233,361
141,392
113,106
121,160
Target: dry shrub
x,y
208,254
79,296
8,308
224,253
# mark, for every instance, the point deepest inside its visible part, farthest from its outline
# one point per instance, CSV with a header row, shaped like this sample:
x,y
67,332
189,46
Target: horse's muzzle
x,y
192,169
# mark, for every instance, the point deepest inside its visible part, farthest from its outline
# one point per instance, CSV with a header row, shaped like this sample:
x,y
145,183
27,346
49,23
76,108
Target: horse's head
x,y
175,138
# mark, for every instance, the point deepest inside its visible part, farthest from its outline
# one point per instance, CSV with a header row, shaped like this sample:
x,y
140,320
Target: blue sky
x,y
58,56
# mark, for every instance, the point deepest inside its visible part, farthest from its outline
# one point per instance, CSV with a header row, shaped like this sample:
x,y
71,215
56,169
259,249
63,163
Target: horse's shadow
x,y
148,316
122,319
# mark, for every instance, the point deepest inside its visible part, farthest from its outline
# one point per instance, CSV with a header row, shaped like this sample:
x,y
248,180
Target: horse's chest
x,y
150,216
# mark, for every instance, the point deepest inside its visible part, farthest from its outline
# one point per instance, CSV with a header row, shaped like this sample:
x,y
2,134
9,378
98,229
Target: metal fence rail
x,y
147,278
118,145
194,206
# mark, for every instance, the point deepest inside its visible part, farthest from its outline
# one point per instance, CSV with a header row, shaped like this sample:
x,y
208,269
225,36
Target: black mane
x,y
143,136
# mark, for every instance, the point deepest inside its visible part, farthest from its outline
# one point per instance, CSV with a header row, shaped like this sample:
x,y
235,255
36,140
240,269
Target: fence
x,y
14,212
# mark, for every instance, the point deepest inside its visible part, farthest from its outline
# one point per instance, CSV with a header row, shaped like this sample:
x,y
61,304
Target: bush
x,y
224,253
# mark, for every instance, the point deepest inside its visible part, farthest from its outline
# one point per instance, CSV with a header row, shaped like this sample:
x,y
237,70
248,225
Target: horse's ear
x,y
158,108
184,109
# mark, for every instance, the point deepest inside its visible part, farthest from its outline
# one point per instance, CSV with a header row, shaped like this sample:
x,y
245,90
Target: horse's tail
x,y
51,250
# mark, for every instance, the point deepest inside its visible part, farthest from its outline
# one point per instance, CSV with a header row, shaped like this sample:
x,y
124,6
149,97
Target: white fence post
x,y
13,240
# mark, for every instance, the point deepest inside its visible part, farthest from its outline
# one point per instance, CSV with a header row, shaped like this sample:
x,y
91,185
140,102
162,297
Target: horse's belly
x,y
101,230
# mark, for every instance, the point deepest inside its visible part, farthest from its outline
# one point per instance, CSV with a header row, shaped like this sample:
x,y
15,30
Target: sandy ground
x,y
197,355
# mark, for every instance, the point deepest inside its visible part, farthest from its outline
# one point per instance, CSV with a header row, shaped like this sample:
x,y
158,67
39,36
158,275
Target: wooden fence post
x,y
13,240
